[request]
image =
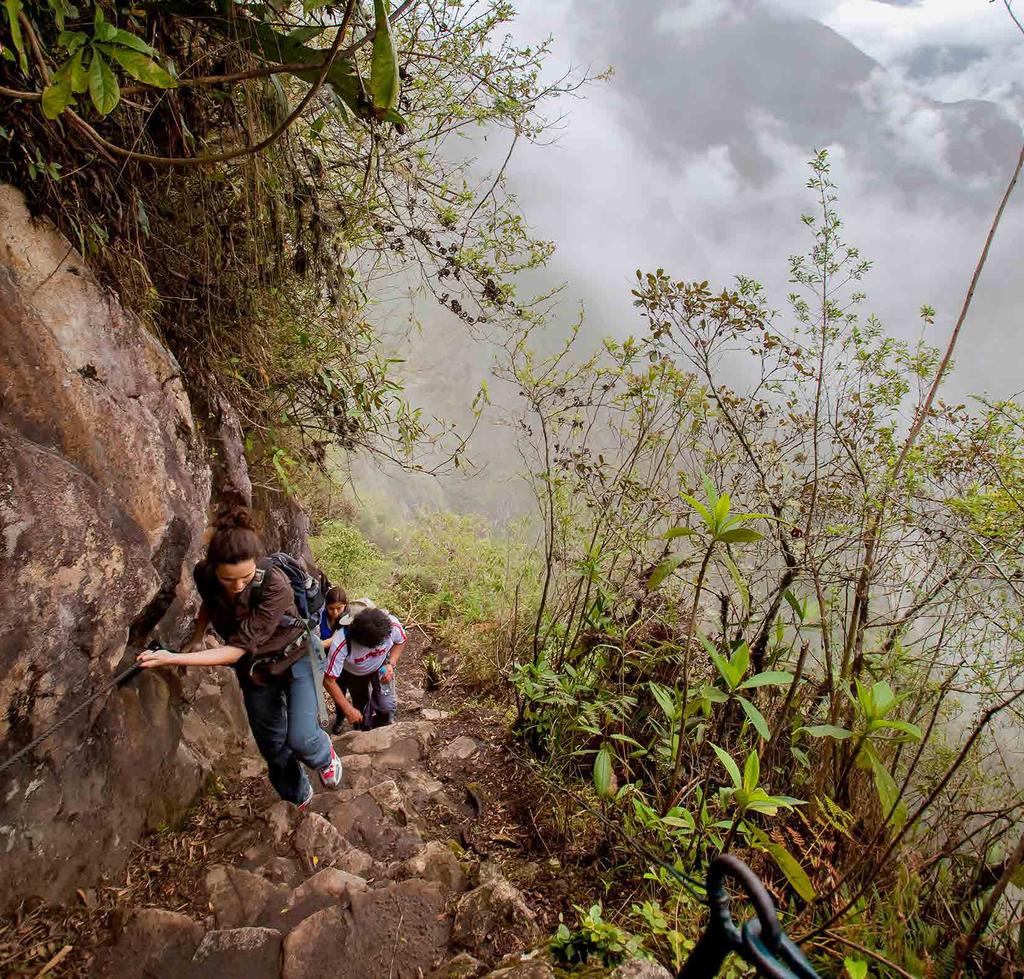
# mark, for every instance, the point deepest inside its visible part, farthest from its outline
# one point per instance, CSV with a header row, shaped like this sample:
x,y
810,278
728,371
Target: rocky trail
x,y
414,868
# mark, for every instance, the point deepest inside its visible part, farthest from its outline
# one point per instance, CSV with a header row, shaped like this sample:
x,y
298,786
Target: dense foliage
x,y
252,176
782,616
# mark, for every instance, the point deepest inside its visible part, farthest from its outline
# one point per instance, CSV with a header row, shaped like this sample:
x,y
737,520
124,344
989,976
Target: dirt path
x,y
424,864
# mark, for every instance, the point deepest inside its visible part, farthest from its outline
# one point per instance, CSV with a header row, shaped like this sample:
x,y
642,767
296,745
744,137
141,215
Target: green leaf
x,y
756,718
721,510
751,772
770,678
304,34
739,663
384,83
737,579
855,968
709,490
704,512
139,66
905,727
888,792
13,8
663,570
722,665
57,95
794,604
883,698
678,532
79,75
665,700
603,772
103,87
826,731
713,694
791,869
72,40
741,535
127,40
730,766
102,30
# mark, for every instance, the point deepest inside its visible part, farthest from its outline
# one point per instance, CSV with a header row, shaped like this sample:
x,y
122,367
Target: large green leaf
x,y
912,731
794,604
139,66
826,731
737,578
888,791
384,82
663,570
739,663
665,700
741,535
730,766
13,8
279,48
751,772
722,665
756,718
770,678
57,95
103,87
790,867
603,772
700,508
127,40
675,532
79,74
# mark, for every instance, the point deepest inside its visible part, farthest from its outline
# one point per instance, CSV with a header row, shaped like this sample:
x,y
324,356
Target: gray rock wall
x,y
104,491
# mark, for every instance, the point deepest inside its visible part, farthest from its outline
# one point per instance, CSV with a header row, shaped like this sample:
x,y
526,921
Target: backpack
x,y
309,596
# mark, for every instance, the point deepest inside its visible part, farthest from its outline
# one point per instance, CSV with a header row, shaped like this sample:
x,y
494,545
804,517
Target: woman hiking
x,y
253,610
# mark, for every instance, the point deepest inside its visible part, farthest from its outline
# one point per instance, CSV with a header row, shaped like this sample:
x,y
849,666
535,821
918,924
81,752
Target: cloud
x,y
697,15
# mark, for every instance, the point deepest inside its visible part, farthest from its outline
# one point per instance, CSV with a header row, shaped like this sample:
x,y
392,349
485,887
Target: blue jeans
x,y
283,718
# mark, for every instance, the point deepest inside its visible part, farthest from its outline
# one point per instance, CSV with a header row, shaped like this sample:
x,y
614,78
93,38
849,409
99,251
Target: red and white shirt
x,y
361,660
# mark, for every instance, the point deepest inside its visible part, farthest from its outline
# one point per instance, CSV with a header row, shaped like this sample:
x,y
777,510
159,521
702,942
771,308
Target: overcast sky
x,y
692,157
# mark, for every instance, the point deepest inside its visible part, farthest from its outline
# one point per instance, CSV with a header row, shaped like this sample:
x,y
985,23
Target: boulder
x,y
398,931
461,749
237,897
641,969
318,844
463,966
283,871
494,919
154,944
432,714
333,883
280,820
104,488
380,832
238,953
315,948
436,863
382,739
531,968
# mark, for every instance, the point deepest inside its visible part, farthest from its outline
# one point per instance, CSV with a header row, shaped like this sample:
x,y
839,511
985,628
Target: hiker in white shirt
x,y
363,653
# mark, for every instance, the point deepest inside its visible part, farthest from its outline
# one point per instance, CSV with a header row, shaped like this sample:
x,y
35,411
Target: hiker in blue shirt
x,y
335,605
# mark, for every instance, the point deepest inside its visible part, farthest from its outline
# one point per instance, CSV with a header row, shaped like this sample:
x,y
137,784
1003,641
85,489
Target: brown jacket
x,y
260,631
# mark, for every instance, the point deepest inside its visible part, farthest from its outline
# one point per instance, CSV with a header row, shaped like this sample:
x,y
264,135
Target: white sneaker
x,y
304,805
331,774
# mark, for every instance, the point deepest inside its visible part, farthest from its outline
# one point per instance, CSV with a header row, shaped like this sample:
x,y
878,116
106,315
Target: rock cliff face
x,y
105,486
